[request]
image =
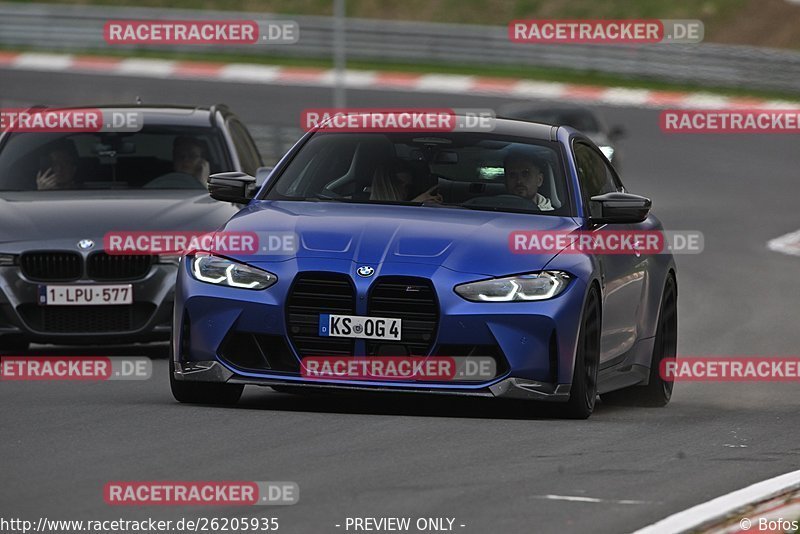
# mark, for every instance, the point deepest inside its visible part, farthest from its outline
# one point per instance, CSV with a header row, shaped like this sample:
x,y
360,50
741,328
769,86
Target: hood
x,y
56,219
463,240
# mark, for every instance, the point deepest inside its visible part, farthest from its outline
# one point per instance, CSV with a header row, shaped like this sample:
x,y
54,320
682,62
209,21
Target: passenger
x,y
59,167
395,182
188,160
524,175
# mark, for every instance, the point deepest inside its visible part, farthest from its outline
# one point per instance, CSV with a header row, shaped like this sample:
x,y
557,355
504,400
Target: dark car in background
x,y
583,119
61,193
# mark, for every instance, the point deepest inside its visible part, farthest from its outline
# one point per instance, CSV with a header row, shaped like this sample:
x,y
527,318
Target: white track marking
x,y
575,498
702,514
787,244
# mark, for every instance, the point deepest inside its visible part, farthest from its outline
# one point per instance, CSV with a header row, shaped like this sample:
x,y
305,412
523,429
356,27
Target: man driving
x,y
524,175
59,167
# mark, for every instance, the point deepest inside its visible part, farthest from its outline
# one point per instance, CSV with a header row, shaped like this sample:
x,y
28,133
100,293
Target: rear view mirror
x,y
619,208
236,187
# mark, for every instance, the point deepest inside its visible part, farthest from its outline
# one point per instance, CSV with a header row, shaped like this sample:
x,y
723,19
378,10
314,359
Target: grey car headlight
x,y
169,259
541,285
224,272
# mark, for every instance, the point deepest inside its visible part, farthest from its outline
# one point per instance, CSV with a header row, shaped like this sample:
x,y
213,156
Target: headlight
x,y
223,272
8,259
608,151
522,288
169,259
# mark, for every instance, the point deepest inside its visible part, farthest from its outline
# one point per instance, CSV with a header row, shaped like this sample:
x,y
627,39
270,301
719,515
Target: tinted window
x,y
245,148
108,160
594,174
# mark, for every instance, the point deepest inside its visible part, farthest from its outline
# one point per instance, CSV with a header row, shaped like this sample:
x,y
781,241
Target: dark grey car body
x,y
42,231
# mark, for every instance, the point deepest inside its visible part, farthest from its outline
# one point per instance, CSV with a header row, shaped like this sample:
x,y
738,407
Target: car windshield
x,y
480,171
152,158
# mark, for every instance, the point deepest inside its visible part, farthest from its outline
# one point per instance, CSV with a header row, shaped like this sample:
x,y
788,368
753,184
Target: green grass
x,y
464,11
532,73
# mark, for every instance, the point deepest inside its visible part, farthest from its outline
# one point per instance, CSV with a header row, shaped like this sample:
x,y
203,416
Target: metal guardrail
x,y
74,28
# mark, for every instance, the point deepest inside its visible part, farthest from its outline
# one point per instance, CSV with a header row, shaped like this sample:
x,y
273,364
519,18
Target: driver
x,y
59,167
524,175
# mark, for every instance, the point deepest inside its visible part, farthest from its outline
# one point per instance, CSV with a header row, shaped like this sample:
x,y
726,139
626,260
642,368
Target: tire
x,y
13,344
202,392
583,393
658,392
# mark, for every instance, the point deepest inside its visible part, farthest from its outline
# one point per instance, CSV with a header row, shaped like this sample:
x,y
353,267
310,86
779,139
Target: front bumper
x,y
535,340
147,319
509,387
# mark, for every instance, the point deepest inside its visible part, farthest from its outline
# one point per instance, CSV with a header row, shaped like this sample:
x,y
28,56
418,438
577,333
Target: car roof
x,y
513,127
159,115
533,130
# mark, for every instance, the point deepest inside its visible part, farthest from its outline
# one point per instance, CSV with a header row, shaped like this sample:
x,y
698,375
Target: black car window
x,y
249,156
110,160
594,174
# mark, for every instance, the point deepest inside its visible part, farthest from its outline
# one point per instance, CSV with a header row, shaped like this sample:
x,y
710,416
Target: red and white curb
x,y
739,511
775,516
381,80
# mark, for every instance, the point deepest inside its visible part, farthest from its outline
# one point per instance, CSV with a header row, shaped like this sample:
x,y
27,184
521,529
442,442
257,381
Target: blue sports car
x,y
407,247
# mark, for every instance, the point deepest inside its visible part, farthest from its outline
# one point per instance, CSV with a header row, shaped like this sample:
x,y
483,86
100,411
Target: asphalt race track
x,y
492,466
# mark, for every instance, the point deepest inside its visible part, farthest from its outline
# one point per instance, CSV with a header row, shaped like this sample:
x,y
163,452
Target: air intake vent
x,y
86,319
313,294
52,266
102,266
414,301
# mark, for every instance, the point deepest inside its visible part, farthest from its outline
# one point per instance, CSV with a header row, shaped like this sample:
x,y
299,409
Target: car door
x,y
622,275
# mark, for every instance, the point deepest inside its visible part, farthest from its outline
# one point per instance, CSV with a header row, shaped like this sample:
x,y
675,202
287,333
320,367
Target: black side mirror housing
x,y
236,187
619,208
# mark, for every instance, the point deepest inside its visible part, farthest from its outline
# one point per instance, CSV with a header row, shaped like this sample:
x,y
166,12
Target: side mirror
x,y
236,187
619,208
617,132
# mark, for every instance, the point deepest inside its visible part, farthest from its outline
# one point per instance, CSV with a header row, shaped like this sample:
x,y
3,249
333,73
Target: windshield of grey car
x,y
152,158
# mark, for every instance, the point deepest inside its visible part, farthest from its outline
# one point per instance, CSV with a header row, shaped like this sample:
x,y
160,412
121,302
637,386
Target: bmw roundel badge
x,y
365,271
